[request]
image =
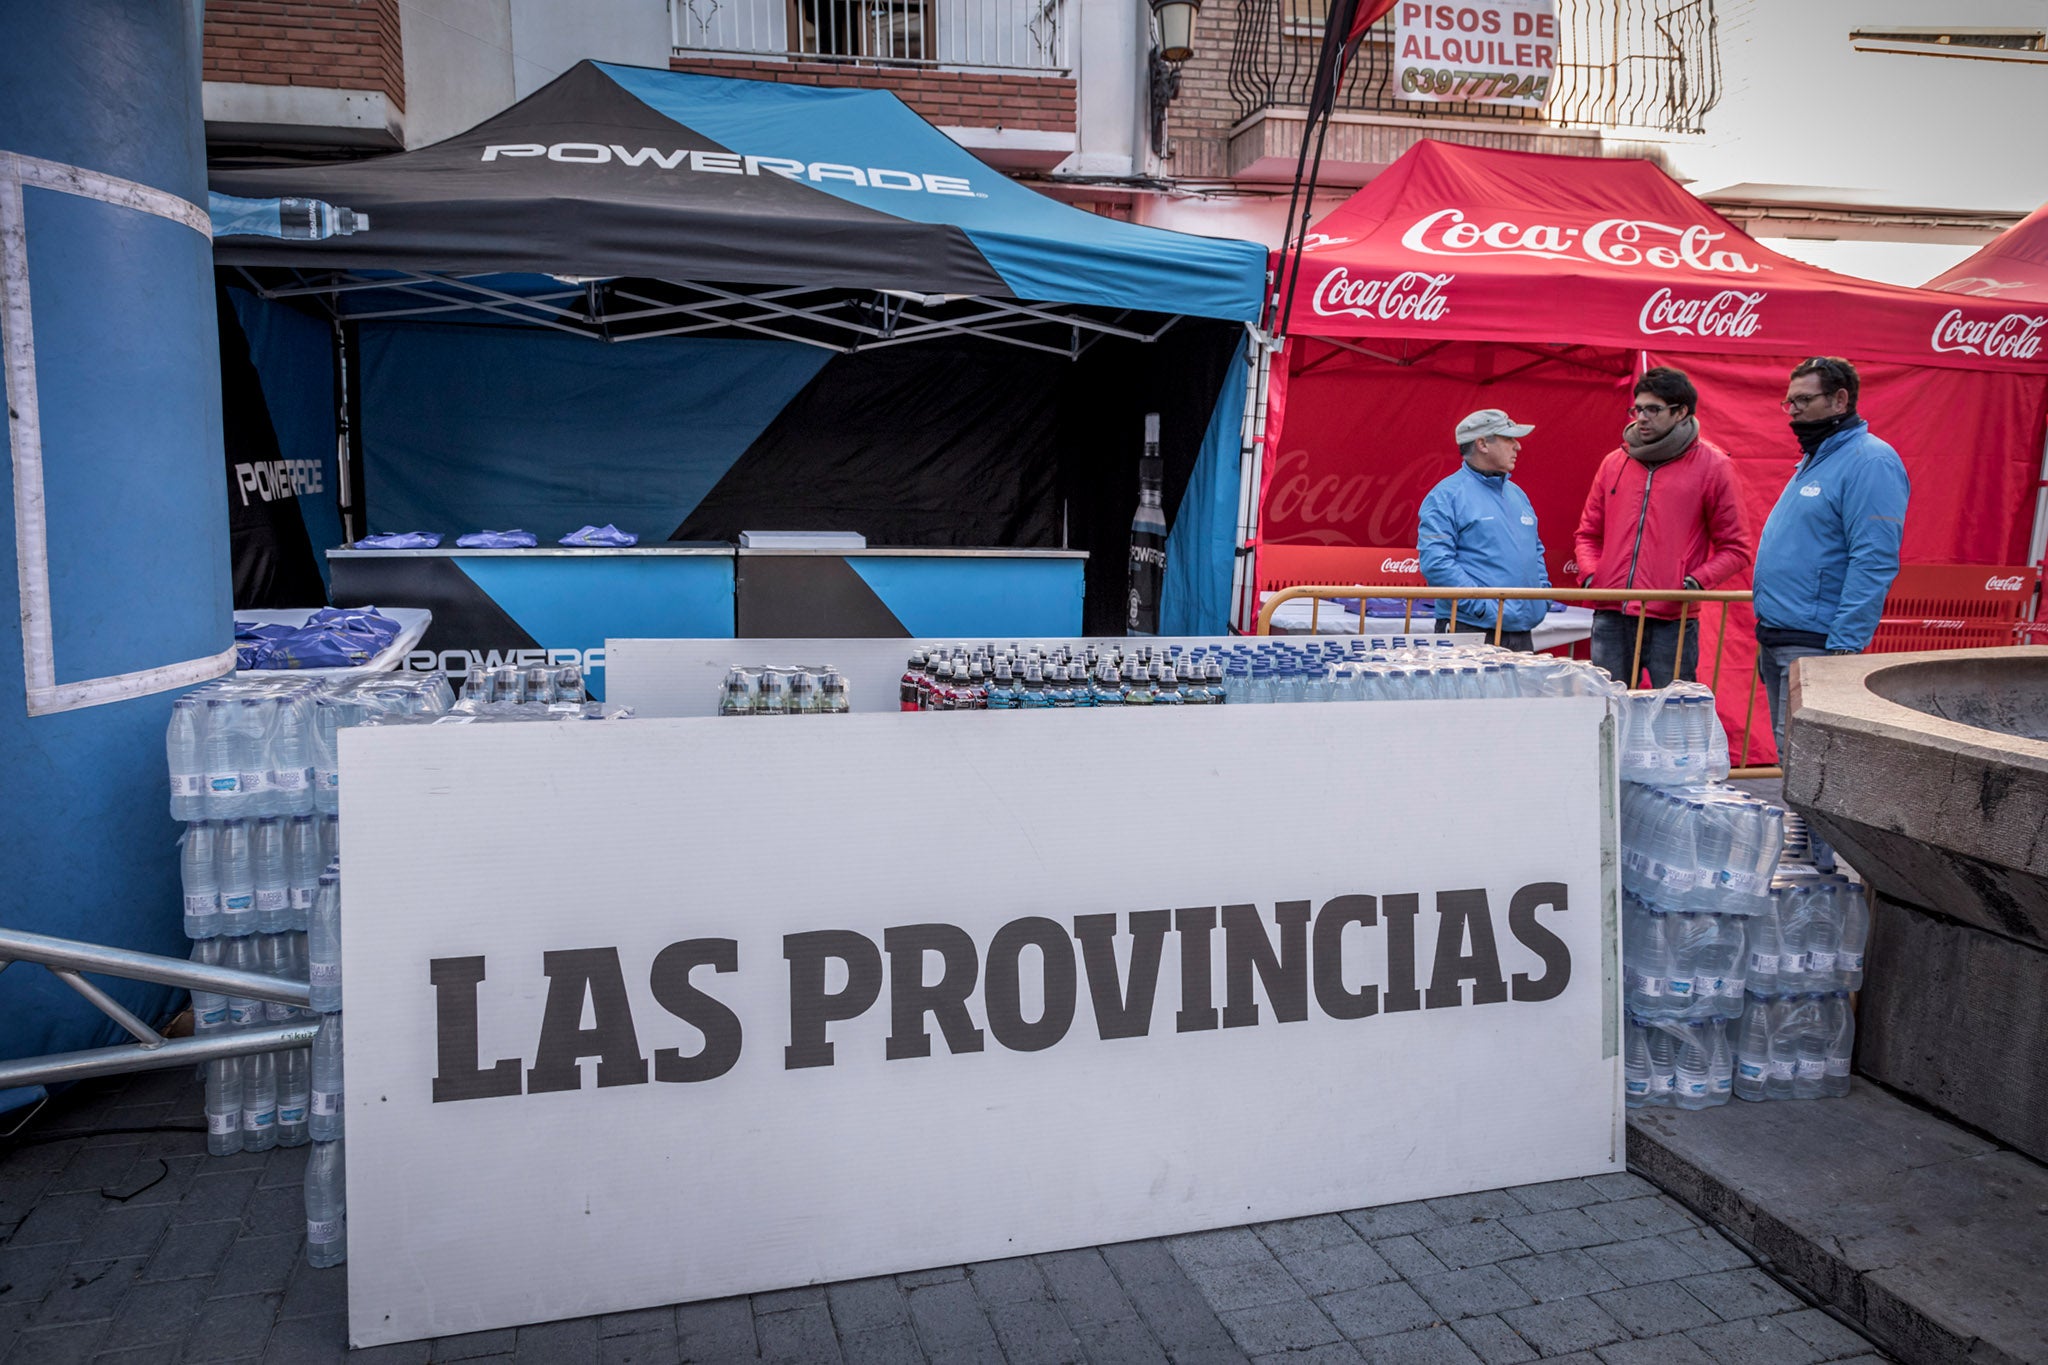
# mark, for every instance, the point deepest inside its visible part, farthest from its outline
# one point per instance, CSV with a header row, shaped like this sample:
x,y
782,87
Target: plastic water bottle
x,y
259,1102
201,879
326,1206
291,756
1636,1064
237,873
1763,950
252,744
1810,1060
1824,937
330,839
1663,1065
273,890
294,1096
1651,974
1722,1059
1839,1023
1786,1028
1694,1075
302,864
326,1118
328,714
183,741
244,1011
323,946
1714,848
1168,692
1692,938
224,1106
1002,691
1795,914
274,954
1724,967
222,756
209,1008
1752,1049
1855,934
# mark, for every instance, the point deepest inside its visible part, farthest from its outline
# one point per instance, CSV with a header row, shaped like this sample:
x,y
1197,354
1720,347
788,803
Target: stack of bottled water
x,y
1794,1045
1672,737
254,773
778,691
1689,1064
995,677
537,686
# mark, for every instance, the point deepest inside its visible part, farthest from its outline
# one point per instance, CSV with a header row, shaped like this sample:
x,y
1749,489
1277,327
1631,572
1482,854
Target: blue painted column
x,y
114,560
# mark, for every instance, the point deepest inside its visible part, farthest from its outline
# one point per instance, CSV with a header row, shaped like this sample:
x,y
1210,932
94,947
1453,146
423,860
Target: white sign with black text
x,y
1475,51
650,1011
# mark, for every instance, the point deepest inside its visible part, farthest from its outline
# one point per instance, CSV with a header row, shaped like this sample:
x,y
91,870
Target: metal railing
x,y
1687,599
67,958
999,35
1620,64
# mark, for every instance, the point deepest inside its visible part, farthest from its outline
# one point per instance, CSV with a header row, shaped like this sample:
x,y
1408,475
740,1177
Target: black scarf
x,y
1811,433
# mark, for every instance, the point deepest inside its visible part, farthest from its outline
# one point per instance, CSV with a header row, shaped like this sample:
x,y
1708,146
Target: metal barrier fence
x,y
1686,600
66,958
1000,35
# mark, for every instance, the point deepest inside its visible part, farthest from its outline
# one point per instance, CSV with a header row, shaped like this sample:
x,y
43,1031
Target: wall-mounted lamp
x,y
1176,28
1176,44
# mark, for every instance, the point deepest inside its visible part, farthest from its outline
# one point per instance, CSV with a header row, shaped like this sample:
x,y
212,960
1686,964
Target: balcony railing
x,y
1002,35
1621,64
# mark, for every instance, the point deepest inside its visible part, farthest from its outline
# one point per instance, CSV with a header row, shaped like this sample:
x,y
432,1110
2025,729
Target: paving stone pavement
x,y
137,1248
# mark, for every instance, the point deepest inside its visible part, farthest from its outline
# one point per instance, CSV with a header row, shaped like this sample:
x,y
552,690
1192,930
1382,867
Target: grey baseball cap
x,y
1490,422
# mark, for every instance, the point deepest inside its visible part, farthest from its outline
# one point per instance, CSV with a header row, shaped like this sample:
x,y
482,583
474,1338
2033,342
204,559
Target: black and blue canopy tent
x,y
842,320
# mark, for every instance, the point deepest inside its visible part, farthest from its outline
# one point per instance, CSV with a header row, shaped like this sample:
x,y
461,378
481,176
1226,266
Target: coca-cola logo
x,y
2014,583
2015,336
1412,564
1412,296
1981,286
1312,502
1611,241
1729,313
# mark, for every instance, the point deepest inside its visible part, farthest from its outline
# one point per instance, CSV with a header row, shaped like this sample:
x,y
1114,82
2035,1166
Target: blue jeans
x,y
1614,644
1774,666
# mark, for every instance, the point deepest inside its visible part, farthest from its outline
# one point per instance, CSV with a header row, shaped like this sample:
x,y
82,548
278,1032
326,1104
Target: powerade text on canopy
x,y
1043,249
1294,952
735,163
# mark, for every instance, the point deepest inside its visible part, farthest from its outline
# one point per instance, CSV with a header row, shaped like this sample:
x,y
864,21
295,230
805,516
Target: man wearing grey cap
x,y
1479,531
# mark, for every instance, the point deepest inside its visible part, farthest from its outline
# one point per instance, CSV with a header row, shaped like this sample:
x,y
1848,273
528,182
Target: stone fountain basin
x,y
1930,772
2007,693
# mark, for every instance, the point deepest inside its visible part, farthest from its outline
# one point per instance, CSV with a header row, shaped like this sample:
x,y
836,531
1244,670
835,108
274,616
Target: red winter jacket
x,y
1647,527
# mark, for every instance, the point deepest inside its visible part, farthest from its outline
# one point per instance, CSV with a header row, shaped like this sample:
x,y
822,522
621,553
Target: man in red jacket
x,y
1662,513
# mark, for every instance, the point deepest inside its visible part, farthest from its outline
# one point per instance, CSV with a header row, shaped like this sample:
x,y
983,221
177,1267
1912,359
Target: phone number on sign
x,y
1475,85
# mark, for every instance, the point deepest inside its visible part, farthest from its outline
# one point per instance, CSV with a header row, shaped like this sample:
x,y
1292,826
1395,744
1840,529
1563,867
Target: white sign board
x,y
1475,51
655,1011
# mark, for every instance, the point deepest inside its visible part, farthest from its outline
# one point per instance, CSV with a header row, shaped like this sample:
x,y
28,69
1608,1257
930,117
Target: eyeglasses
x,y
1649,409
1797,402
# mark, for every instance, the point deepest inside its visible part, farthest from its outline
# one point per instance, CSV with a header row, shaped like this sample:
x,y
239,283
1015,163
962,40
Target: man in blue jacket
x,y
1830,550
1479,531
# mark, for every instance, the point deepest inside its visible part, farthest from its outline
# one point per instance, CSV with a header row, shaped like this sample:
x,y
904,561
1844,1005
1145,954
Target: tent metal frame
x,y
831,318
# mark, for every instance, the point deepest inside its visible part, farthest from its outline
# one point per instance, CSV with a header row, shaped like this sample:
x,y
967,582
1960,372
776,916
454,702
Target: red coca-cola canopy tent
x,y
1464,278
2012,268
1450,241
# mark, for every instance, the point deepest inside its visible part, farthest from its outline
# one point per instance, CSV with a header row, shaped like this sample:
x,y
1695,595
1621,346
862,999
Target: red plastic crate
x,y
1954,606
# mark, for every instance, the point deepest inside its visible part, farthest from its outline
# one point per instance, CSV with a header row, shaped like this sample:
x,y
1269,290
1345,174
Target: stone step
x,y
1933,1240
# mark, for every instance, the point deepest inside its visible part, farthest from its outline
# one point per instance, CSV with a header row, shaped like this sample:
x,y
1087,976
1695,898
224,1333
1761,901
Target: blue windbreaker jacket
x,y
1830,550
1479,531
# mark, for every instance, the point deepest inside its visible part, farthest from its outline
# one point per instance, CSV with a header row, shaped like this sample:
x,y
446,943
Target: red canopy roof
x,y
1468,243
2013,268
